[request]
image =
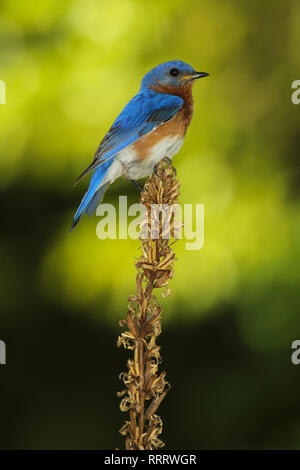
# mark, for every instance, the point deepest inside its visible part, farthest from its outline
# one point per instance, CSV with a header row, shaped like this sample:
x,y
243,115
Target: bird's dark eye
x,y
174,72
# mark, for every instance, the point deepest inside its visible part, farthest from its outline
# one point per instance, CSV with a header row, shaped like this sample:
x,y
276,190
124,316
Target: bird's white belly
x,y
128,163
136,168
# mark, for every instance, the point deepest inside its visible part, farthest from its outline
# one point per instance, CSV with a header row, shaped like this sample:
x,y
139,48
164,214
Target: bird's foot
x,y
155,170
169,161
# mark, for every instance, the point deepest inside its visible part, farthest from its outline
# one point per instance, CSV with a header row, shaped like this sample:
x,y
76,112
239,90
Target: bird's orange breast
x,y
177,126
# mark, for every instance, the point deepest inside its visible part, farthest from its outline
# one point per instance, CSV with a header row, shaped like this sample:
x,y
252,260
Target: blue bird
x,y
151,126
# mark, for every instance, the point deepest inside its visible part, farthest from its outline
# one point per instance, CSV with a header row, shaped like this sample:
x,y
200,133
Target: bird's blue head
x,y
170,75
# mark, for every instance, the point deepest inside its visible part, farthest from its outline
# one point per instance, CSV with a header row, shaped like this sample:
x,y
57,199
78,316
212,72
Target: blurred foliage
x,y
70,66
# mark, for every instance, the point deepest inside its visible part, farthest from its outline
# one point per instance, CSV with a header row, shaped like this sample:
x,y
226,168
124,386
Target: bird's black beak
x,y
195,75
199,75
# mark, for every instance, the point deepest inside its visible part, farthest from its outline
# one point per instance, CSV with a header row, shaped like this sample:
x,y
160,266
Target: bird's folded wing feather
x,y
141,115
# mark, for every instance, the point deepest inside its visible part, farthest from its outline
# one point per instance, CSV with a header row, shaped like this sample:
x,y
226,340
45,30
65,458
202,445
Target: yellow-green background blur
x,y
69,68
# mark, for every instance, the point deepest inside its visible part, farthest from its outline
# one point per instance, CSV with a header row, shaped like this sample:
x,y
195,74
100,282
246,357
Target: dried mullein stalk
x,y
145,386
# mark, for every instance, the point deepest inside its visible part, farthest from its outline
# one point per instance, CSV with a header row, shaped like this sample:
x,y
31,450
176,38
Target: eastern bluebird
x,y
151,126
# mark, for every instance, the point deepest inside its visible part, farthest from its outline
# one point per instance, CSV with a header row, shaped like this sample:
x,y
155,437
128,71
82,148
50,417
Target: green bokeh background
x,y
69,68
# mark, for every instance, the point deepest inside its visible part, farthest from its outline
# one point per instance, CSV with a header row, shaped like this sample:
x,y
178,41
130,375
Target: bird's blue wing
x,y
142,114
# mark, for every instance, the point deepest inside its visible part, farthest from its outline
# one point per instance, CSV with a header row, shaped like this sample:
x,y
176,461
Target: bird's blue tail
x,y
93,196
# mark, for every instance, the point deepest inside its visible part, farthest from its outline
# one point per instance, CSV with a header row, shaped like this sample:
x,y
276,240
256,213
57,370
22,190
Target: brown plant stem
x,y
142,380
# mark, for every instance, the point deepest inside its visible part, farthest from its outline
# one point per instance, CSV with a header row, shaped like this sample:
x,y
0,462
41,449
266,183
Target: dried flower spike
x,y
145,387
